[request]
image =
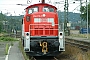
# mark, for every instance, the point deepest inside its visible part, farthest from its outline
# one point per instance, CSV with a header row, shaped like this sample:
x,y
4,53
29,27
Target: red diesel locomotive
x,y
41,35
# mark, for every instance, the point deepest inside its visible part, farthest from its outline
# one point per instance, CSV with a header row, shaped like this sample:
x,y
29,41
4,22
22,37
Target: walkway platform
x,y
15,53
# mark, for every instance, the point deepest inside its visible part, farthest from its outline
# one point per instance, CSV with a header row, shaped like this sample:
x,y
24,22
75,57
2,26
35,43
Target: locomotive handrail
x,y
42,25
44,29
49,28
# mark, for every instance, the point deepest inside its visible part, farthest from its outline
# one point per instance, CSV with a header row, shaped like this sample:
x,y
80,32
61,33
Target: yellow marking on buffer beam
x,y
44,47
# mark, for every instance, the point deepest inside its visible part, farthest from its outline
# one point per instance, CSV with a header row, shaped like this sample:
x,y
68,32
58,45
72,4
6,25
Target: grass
x,y
2,34
6,49
70,50
76,54
79,56
11,43
7,39
88,55
23,52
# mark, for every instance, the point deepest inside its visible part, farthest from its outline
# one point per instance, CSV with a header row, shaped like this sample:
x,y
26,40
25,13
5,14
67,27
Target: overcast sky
x,y
11,7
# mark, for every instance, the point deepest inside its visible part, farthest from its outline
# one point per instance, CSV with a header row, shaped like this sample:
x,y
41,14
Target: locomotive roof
x,y
41,4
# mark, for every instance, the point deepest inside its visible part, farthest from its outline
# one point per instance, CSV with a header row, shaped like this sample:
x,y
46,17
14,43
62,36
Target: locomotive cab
x,y
41,35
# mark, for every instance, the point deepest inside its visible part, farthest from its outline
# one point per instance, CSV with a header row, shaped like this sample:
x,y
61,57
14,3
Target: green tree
x,y
83,10
2,18
0,27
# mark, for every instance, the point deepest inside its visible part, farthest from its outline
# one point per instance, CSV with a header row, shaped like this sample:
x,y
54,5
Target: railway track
x,y
85,46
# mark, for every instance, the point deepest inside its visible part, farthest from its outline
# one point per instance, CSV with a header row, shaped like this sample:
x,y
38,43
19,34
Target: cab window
x,y
51,9
48,9
45,9
32,10
29,11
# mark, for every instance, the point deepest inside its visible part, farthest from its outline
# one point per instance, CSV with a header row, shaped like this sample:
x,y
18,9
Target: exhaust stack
x,y
43,1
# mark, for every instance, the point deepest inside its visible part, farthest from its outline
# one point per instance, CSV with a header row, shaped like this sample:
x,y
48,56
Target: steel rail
x,y
84,45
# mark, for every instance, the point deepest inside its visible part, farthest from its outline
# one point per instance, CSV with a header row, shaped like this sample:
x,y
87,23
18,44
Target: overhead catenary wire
x,y
61,6
7,4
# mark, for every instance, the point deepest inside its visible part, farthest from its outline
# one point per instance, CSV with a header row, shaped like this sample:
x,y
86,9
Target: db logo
x,y
43,19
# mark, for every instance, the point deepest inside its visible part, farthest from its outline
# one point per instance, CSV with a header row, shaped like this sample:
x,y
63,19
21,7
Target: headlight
x,y
27,34
27,37
61,35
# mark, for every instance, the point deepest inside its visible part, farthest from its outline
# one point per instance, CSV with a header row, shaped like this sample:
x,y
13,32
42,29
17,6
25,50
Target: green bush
x,y
7,39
